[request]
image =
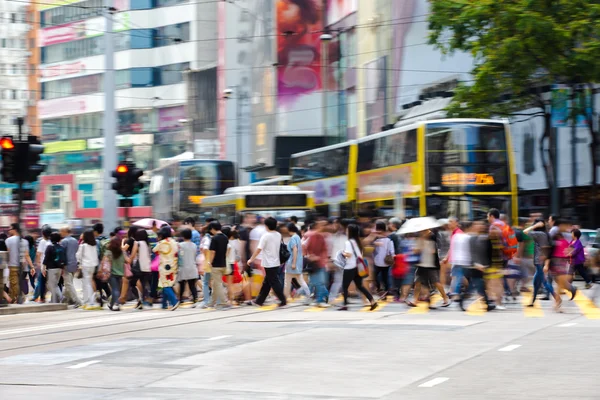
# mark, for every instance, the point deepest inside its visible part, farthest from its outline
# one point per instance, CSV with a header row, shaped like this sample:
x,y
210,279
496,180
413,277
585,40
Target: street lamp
x,y
238,111
325,40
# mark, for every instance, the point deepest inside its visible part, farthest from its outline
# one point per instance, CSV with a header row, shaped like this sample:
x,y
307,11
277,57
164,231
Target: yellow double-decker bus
x,y
329,173
460,167
280,202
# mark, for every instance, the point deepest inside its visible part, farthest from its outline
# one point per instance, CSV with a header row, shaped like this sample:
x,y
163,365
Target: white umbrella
x,y
420,224
147,223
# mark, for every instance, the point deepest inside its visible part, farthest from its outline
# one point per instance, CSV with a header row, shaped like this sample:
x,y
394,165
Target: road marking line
x,y
314,309
476,308
86,321
587,306
421,308
510,348
531,312
84,364
219,337
268,307
567,325
433,382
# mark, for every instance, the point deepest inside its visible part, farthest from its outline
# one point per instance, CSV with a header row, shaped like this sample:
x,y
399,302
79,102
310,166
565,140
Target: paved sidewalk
x,y
31,308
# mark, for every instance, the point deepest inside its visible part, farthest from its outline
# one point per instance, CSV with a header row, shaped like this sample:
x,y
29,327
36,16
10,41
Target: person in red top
x,y
315,248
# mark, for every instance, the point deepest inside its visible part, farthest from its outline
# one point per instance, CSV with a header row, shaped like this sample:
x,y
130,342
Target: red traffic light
x,y
122,169
6,143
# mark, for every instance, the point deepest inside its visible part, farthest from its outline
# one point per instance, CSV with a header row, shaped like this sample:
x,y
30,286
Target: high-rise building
x,y
13,64
155,42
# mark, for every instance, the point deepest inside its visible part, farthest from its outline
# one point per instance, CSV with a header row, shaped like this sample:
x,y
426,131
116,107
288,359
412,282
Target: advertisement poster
x,y
331,190
560,105
385,184
169,118
340,9
299,27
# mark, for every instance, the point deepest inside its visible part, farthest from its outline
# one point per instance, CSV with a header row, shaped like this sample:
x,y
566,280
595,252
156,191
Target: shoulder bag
x,y
361,265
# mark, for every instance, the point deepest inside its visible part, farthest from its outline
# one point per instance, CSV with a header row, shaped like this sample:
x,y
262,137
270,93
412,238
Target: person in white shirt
x,y
255,234
87,256
336,243
269,245
40,286
353,252
460,257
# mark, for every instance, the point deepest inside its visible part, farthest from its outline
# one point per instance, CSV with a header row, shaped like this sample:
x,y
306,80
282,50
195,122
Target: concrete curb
x,y
33,308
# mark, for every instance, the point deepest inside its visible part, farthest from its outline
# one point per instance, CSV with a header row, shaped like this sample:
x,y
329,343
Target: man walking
x,y
18,255
268,247
71,246
217,261
316,250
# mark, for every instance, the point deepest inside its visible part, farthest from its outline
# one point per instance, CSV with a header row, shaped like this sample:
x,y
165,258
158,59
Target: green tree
x,y
520,47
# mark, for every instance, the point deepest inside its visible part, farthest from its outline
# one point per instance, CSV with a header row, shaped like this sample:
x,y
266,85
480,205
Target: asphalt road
x,y
303,353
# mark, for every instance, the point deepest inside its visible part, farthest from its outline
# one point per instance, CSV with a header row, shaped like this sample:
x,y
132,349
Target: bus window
x,y
467,157
321,164
468,208
386,151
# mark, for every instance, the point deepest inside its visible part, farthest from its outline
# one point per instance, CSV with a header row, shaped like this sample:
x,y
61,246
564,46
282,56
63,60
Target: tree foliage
x,y
518,45
519,48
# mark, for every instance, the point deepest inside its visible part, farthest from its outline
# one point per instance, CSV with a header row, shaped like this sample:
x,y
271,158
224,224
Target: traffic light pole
x,y
109,155
20,123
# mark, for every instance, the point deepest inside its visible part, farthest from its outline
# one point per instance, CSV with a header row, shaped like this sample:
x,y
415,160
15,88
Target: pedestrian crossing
x,y
582,304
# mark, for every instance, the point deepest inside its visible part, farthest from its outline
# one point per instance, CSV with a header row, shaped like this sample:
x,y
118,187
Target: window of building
x,y
81,48
142,38
172,74
14,69
13,94
141,4
142,77
3,43
170,34
22,43
13,17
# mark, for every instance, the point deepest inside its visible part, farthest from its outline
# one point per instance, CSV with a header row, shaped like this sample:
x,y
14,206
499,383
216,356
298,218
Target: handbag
x,y
340,260
104,269
284,253
400,266
361,265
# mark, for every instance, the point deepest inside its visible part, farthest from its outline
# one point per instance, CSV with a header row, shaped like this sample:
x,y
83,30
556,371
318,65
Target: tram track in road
x,y
222,315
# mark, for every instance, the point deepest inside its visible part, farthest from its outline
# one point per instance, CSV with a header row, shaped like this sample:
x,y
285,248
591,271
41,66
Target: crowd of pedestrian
x,y
322,262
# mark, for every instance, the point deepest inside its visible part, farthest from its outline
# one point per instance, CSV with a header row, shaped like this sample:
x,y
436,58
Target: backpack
x,y
509,240
284,253
104,269
60,256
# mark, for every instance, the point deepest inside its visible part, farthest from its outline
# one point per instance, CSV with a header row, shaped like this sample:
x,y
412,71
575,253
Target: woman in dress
x,y
166,249
294,264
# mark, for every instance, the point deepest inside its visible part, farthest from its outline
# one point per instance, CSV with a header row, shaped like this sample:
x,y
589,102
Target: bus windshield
x,y
320,164
467,156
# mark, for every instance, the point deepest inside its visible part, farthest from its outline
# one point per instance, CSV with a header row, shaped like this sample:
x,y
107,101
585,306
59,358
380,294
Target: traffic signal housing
x,y
21,159
9,159
35,149
127,179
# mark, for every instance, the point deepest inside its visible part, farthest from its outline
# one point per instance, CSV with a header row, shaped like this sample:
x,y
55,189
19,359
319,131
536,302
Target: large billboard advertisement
x,y
249,58
340,9
299,27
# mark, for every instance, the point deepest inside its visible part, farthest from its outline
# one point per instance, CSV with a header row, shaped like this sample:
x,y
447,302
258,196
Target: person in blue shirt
x,y
189,223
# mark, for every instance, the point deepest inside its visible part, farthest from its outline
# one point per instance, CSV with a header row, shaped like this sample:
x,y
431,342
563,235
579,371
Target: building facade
x,y
155,43
14,94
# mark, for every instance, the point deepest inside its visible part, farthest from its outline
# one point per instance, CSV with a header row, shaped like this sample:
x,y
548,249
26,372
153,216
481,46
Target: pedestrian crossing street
x,y
582,304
